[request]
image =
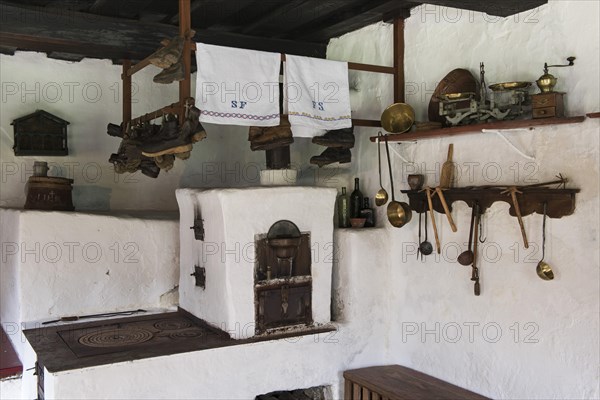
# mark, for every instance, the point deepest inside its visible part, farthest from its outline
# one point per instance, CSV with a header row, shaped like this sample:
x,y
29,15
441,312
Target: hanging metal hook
x,y
481,240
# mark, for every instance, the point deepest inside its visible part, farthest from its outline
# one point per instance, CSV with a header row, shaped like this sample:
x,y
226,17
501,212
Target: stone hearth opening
x,y
315,393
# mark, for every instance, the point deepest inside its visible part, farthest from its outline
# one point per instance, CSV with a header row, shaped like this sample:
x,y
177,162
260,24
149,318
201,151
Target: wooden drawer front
x,y
545,112
544,100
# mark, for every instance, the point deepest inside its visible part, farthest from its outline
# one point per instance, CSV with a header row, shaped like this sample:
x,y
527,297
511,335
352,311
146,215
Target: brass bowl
x,y
499,87
398,118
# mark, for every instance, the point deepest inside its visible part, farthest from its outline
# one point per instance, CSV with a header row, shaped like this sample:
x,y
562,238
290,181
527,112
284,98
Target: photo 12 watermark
x,y
90,252
469,332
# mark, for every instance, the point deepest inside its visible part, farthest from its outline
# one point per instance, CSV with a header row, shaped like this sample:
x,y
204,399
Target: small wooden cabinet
x,y
548,105
394,382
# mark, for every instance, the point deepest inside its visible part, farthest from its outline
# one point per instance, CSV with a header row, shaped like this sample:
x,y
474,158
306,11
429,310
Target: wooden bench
x,y
394,382
9,361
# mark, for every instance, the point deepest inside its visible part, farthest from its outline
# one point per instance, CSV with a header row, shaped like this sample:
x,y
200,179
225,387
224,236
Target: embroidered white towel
x,y
317,93
237,86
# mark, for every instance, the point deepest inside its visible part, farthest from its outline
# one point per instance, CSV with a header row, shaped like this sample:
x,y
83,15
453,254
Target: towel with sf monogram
x,y
237,86
317,93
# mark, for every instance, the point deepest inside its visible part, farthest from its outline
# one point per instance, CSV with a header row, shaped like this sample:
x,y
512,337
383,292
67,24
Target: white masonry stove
x,y
256,267
260,259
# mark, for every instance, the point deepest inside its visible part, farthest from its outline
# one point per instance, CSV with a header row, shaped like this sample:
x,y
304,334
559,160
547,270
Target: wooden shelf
x,y
560,202
476,128
594,115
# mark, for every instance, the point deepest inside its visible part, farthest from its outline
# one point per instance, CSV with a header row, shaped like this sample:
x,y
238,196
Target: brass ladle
x,y
381,197
398,213
544,270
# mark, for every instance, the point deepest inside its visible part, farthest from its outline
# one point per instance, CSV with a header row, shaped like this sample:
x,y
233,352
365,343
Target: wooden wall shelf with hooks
x,y
561,202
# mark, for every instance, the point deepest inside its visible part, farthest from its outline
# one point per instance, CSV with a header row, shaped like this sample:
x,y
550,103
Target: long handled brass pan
x,y
398,213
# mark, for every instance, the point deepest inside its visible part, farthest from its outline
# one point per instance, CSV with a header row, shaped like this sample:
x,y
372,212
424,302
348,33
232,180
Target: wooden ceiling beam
x,y
295,47
29,28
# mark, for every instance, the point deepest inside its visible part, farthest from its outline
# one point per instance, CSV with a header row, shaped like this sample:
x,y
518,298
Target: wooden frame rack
x,y
185,85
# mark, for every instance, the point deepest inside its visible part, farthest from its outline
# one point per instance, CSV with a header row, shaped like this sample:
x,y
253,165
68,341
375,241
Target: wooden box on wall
x,y
40,134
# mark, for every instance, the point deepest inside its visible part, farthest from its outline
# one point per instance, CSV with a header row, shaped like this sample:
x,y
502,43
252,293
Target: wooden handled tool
x,y
447,173
435,231
475,277
513,193
440,193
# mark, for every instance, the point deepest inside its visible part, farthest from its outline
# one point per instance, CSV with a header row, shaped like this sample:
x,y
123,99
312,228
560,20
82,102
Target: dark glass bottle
x,y
356,200
368,213
343,205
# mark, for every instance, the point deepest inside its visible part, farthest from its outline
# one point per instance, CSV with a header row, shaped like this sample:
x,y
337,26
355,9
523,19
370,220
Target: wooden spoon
x,y
439,192
513,193
447,174
435,231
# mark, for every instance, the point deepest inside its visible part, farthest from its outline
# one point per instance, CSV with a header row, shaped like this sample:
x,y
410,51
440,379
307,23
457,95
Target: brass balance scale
x,y
509,100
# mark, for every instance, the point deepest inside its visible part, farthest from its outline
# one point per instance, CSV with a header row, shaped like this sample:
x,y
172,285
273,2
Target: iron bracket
x,y
198,229
200,276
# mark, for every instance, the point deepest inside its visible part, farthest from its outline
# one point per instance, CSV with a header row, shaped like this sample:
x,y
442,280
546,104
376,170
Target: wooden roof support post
x,y
399,94
185,25
126,93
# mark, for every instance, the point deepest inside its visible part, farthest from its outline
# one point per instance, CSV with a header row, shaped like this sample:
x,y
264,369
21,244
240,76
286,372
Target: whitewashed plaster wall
x,y
57,264
548,343
11,388
88,95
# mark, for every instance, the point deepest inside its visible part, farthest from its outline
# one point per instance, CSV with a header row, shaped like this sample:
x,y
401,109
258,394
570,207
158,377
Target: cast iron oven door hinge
x,y
198,229
200,276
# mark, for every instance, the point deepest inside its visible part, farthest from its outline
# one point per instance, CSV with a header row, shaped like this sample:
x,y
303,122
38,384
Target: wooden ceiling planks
x,y
283,14
210,13
133,28
313,14
350,20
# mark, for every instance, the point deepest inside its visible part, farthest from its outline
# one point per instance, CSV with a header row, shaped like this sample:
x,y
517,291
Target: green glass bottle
x,y
356,200
343,208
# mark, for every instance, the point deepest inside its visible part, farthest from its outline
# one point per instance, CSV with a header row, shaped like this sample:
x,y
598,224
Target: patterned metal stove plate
x,y
116,337
135,336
